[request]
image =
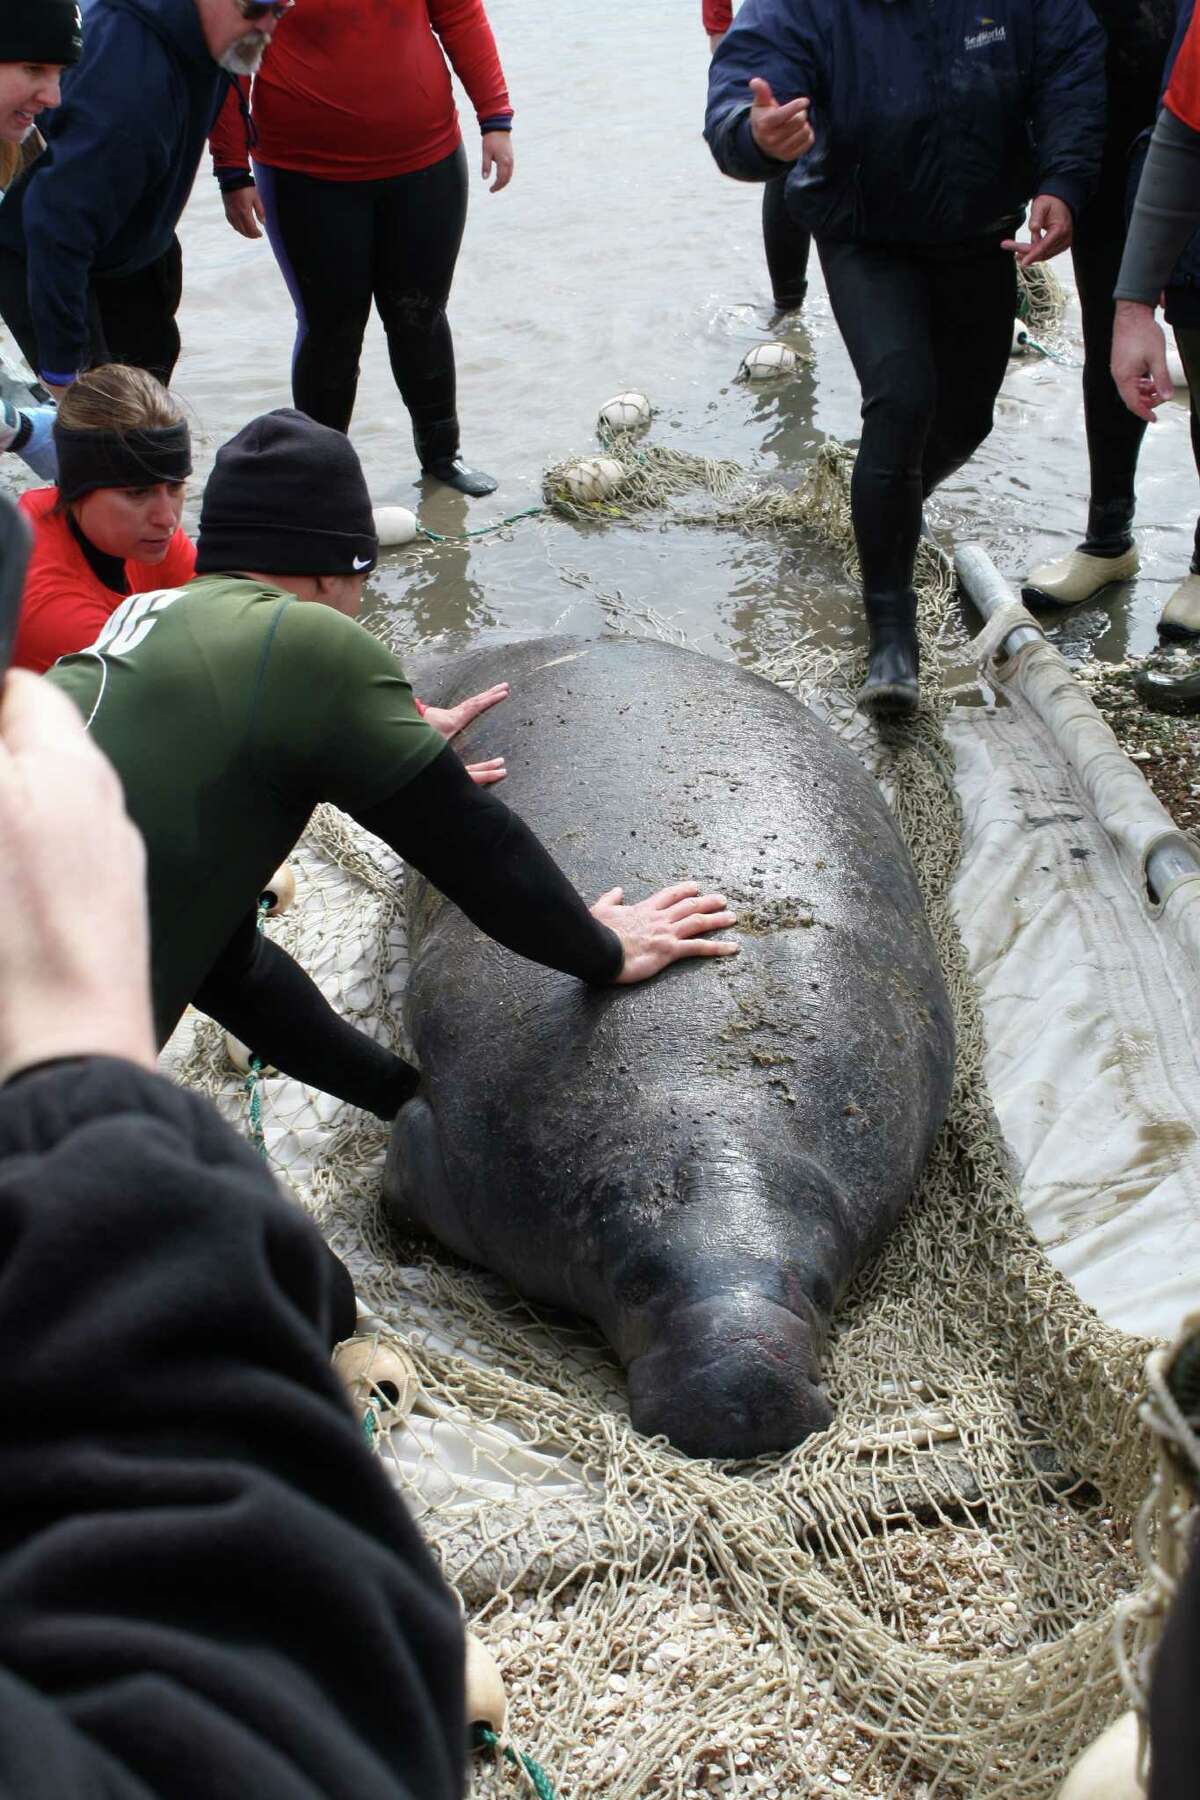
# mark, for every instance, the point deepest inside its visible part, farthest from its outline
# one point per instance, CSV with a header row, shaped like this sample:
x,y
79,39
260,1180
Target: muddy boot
x,y
893,655
437,447
1167,693
1106,556
1181,615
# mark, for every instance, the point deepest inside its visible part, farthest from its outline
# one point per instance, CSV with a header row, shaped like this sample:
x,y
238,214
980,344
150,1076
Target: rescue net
x,y
919,1602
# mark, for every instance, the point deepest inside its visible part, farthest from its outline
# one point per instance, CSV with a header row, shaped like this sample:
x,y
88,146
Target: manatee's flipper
x,y
415,1191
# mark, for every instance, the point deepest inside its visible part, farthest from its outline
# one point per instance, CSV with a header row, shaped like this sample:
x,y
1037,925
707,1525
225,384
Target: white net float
x,y
280,891
593,477
394,525
487,1703
1108,1770
1020,339
769,362
377,1372
241,1056
626,412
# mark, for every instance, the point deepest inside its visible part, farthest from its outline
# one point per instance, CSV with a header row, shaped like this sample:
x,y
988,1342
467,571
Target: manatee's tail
x,y
734,1376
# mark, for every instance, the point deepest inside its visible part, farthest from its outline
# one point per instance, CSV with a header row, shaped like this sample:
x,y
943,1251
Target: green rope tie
x,y
486,1739
461,537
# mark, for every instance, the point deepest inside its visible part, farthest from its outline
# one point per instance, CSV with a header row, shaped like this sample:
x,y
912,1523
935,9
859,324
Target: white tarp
x,y
1089,990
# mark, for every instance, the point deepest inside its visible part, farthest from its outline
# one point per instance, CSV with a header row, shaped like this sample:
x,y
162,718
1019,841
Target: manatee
x,y
698,1164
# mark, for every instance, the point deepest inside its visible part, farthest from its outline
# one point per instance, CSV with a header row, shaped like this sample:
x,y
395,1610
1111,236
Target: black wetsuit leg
x,y
322,233
1114,434
419,220
928,332
1188,340
972,301
787,245
137,315
256,991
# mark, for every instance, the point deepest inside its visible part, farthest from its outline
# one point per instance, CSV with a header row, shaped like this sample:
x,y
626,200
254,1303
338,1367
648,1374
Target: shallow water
x,y
620,257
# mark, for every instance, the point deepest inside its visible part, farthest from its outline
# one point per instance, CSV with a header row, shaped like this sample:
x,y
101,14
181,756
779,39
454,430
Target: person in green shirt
x,y
231,707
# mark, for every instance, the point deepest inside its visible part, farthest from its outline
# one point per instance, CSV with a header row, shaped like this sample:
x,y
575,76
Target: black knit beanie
x,y
287,497
41,31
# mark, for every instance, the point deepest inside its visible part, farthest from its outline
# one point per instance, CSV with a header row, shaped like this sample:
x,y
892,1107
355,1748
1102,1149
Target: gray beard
x,y
244,55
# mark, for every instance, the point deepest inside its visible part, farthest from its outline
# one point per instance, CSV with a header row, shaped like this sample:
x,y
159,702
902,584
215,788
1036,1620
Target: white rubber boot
x,y
1181,614
1077,577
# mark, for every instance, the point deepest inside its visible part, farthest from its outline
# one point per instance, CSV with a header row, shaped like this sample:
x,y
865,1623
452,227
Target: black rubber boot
x,y
1163,692
437,447
455,473
893,655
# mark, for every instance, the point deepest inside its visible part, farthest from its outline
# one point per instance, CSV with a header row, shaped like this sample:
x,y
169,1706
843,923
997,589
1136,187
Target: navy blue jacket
x,y
121,157
935,120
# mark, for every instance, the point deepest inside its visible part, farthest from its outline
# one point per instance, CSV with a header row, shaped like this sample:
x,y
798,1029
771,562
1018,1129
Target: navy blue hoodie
x,y
121,157
935,120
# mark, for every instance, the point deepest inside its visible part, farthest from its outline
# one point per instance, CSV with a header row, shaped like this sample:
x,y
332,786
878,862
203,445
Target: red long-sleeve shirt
x,y
351,90
718,15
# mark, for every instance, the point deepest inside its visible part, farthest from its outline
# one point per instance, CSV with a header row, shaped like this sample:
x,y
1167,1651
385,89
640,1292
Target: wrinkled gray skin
x,y
699,1163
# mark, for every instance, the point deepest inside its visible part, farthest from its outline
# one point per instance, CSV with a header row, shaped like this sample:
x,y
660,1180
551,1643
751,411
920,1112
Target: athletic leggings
x,y
1188,340
929,331
1114,434
787,245
341,245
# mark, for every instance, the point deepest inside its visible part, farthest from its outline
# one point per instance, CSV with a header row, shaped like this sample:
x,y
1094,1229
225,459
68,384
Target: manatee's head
x,y
736,1375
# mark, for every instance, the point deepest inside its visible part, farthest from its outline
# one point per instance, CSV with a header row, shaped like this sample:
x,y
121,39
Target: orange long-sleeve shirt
x,y
64,604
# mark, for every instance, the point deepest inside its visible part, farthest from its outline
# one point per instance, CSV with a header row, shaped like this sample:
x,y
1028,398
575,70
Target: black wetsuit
x,y
1139,34
787,245
394,242
208,1586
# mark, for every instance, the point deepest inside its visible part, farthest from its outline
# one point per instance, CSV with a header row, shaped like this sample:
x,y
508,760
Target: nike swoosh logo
x,y
364,564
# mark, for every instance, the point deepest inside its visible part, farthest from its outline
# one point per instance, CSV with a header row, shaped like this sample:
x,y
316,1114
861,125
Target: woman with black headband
x,y
111,526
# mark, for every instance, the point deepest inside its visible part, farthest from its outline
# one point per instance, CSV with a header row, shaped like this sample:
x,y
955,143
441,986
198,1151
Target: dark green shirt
x,y
230,709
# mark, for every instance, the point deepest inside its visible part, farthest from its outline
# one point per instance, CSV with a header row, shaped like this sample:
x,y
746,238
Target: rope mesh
x,y
917,1603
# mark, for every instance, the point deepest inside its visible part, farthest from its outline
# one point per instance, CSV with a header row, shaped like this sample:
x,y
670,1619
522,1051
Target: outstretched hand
x,y
74,950
668,926
448,721
781,132
1050,228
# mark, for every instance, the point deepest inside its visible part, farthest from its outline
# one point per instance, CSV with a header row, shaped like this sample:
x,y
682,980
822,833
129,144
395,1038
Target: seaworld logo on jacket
x,y
991,34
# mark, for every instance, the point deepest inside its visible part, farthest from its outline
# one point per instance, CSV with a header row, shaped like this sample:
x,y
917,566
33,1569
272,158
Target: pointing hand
x,y
781,132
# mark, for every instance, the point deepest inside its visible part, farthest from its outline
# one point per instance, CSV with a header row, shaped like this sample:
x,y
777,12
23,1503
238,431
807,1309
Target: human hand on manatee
x,y
1050,229
448,721
498,155
244,210
665,928
781,132
74,951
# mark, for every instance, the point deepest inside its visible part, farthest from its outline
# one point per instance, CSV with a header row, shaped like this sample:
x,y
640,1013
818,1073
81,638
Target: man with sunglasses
x,y
90,267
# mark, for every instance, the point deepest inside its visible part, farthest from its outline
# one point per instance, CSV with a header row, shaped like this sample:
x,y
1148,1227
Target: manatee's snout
x,y
733,1376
